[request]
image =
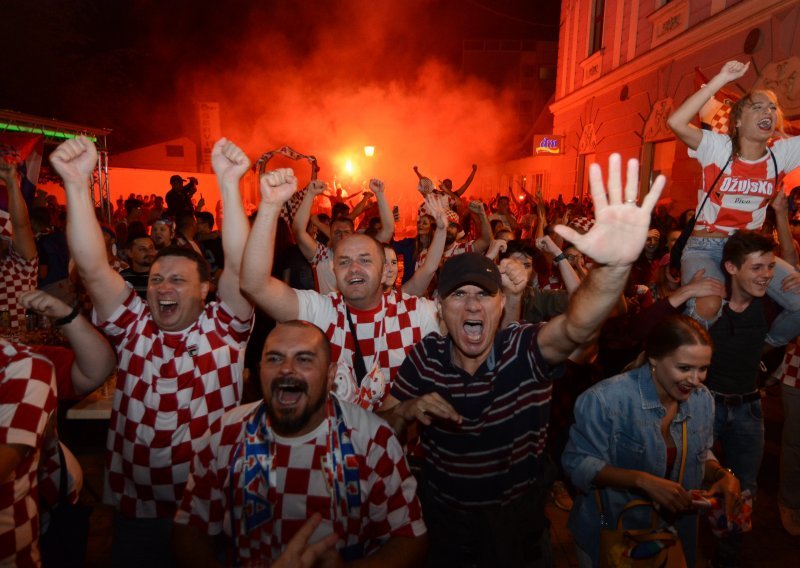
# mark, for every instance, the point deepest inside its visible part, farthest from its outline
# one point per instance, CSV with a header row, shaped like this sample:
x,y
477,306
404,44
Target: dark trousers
x,y
142,543
516,535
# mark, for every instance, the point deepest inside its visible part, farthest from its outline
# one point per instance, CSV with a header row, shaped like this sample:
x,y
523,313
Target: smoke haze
x,y
356,79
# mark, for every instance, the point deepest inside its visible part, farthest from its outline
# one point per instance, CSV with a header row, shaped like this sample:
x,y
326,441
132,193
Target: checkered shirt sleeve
x,y
27,399
790,375
403,319
298,487
170,388
322,254
17,277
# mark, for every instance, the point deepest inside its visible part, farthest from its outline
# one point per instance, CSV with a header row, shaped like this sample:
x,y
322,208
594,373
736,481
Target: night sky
x,y
138,66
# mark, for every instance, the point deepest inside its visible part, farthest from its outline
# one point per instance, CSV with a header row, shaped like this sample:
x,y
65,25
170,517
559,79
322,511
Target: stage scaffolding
x,y
55,132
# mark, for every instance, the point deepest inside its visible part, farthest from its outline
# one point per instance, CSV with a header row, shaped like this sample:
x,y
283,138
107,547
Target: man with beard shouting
x,y
267,467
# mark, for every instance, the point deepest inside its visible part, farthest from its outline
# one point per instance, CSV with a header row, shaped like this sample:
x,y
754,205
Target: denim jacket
x,y
618,422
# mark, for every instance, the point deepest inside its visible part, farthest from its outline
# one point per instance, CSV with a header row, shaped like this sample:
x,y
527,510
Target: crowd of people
x,y
300,388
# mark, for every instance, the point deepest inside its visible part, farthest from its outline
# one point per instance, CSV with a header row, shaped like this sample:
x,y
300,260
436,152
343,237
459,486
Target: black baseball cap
x,y
469,268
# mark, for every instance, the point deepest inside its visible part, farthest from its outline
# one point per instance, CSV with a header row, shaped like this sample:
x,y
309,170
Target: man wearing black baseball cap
x,y
480,396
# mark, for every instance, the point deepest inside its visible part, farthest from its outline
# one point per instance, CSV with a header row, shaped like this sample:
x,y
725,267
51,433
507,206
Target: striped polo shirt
x,y
492,457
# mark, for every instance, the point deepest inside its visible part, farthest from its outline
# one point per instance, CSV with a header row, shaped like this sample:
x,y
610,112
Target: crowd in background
x,y
388,314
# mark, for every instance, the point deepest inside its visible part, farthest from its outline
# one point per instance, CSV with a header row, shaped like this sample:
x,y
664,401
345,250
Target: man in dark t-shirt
x,y
738,335
210,242
141,251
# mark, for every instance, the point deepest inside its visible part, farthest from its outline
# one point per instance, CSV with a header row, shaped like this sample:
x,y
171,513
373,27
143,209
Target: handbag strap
x,y
62,476
719,175
684,443
774,165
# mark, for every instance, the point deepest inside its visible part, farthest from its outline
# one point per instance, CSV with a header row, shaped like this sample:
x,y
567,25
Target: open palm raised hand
x,y
620,228
437,206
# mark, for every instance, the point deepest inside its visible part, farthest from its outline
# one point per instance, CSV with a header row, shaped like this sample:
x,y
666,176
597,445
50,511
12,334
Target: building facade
x,y
624,65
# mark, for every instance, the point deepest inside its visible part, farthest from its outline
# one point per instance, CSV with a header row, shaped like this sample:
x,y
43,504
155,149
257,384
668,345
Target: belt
x,y
703,234
736,399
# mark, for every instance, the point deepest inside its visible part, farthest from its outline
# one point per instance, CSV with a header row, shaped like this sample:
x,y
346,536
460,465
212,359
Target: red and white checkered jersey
x,y
27,399
388,332
740,198
17,276
298,486
790,369
456,248
323,268
170,388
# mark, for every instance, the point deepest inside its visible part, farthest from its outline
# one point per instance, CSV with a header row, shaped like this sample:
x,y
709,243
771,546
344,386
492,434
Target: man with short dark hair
x,y
186,231
210,243
180,359
141,253
297,451
480,396
134,210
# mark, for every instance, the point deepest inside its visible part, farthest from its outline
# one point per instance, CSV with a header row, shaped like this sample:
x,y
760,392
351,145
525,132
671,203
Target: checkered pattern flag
x,y
715,114
289,209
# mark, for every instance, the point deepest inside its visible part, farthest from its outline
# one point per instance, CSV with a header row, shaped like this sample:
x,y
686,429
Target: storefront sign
x,y
548,145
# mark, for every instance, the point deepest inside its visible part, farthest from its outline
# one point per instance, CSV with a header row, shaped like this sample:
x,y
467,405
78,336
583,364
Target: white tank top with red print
x,y
740,198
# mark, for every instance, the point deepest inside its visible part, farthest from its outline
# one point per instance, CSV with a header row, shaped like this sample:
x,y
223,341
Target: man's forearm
x,y
785,240
235,227
593,301
387,219
259,252
482,242
23,239
306,243
359,209
85,238
512,311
